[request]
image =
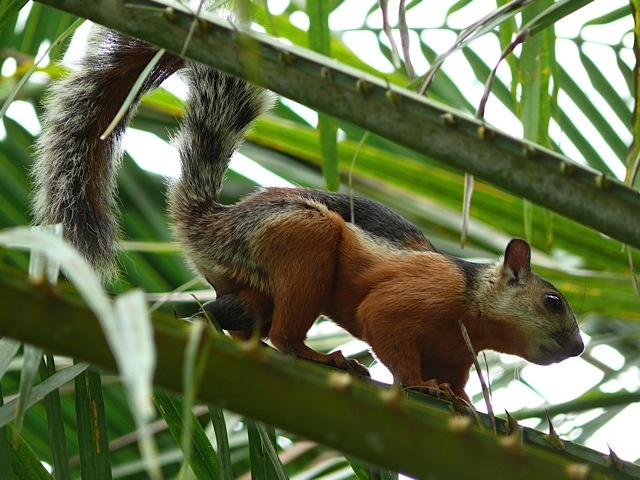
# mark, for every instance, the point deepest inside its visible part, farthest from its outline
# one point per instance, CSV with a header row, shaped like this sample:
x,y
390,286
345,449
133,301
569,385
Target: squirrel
x,y
281,257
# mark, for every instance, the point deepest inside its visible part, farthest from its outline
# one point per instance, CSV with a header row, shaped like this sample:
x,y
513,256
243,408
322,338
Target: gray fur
x,y
60,171
74,171
220,109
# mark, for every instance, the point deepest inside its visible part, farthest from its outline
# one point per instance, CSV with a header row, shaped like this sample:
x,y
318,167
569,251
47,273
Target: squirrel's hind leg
x,y
241,312
294,345
298,306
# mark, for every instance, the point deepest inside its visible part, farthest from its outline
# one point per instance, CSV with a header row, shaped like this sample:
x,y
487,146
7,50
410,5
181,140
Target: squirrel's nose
x,y
576,347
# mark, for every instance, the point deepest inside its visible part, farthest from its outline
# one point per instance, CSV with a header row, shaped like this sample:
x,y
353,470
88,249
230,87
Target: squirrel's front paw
x,y
338,360
430,387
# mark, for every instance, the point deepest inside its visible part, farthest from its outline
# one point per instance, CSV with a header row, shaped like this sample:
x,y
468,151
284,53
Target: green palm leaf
x,y
590,267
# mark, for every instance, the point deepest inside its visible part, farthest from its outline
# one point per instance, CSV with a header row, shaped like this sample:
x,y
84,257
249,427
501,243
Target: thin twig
x,y
135,90
634,279
386,26
404,40
634,170
473,31
192,28
350,179
74,26
485,390
520,38
466,206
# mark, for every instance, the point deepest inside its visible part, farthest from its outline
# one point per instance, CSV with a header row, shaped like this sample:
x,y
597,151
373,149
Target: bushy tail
x,y
74,171
220,109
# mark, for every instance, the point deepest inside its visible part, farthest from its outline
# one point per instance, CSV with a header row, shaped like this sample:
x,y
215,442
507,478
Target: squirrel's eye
x,y
553,301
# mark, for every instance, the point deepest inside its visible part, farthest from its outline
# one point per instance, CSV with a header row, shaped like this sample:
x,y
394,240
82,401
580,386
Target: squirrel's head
x,y
531,317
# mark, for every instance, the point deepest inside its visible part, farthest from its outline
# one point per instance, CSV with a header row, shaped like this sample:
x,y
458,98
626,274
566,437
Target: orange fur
x,y
405,302
407,309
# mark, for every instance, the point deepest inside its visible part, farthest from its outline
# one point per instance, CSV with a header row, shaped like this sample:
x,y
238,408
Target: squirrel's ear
x,y
517,260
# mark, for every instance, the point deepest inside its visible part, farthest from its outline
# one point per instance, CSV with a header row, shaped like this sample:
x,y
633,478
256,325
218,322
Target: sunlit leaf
x,y
55,422
95,459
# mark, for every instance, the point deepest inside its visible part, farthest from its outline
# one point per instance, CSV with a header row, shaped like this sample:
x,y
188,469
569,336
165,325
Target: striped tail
x,y
219,112
74,170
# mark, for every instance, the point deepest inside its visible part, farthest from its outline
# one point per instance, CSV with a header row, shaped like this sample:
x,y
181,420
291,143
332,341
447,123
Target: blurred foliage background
x,y
572,88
